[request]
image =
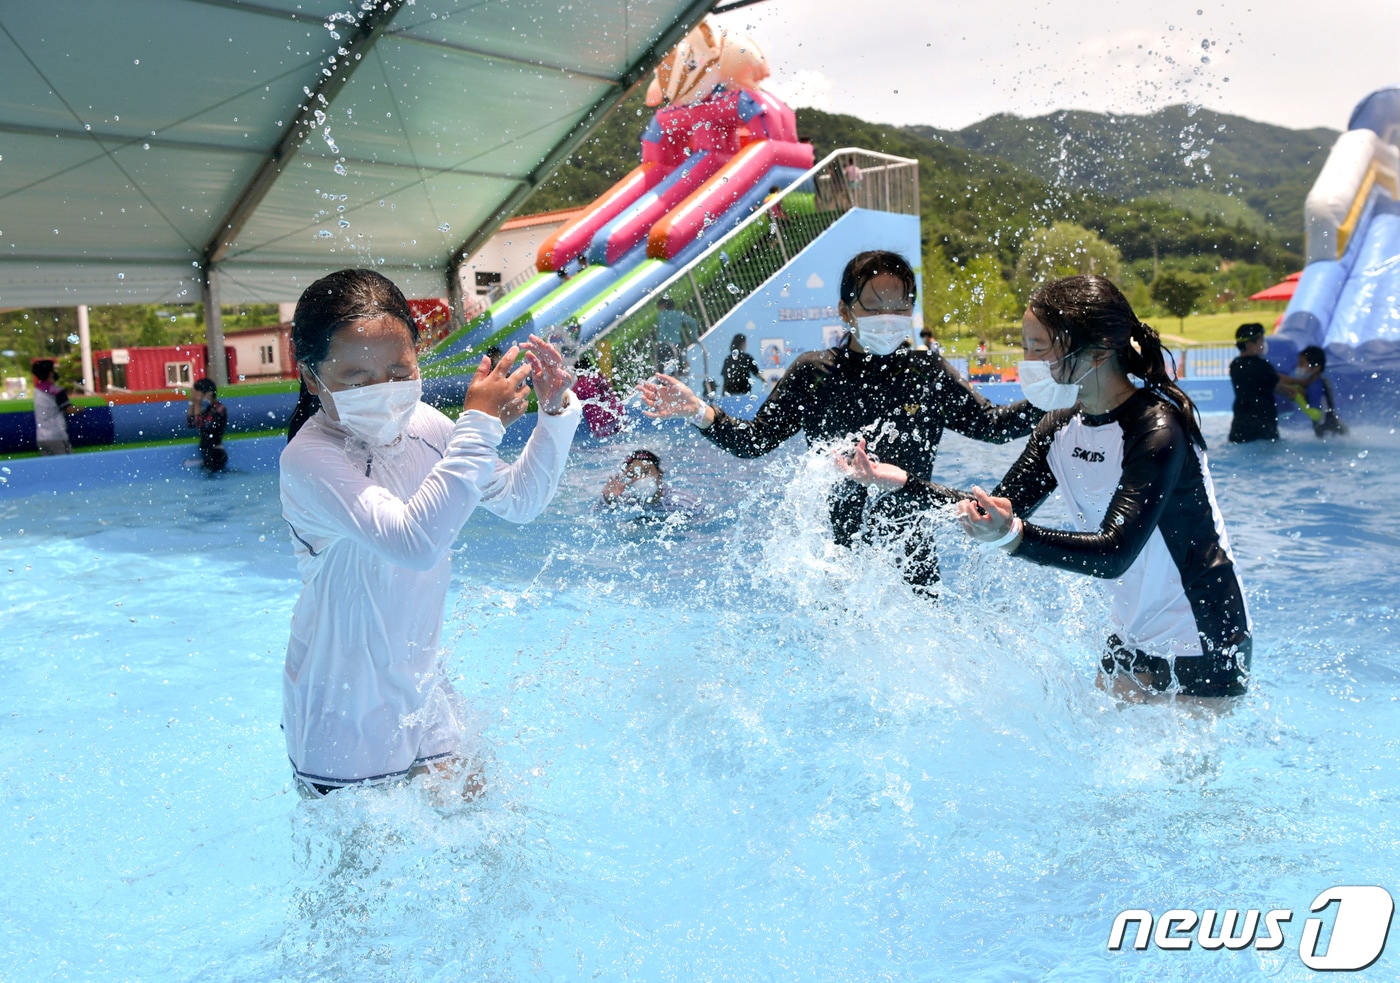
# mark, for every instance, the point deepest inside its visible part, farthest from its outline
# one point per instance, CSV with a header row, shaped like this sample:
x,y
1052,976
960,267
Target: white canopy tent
x,y
234,151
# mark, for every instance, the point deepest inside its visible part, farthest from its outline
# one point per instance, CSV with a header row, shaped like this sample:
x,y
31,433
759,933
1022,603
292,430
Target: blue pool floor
x,y
721,749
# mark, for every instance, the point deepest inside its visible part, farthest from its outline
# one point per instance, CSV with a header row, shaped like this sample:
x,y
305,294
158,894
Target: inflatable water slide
x,y
1348,297
718,146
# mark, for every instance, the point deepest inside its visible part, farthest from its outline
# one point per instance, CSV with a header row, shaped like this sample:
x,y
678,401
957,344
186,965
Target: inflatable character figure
x,y
708,88
715,136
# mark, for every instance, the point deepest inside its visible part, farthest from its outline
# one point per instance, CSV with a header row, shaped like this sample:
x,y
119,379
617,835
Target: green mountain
x,y
975,204
1198,160
984,190
983,200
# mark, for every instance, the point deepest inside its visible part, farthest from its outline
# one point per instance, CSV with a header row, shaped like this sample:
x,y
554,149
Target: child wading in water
x,y
375,486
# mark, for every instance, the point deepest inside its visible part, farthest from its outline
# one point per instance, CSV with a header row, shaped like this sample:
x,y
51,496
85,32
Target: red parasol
x,y
1279,291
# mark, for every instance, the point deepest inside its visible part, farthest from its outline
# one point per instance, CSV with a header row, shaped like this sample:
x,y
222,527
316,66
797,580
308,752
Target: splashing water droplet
x,y
340,169
73,339
344,224
325,233
732,288
444,227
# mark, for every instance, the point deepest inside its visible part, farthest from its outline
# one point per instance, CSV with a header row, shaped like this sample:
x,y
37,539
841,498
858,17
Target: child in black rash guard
x,y
1132,463
867,387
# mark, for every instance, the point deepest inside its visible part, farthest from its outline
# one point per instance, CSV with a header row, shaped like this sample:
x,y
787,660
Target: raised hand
x,y
552,378
497,391
666,397
984,518
615,488
862,469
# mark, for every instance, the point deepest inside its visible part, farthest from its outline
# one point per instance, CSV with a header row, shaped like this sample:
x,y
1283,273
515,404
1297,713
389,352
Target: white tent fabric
x,y
147,141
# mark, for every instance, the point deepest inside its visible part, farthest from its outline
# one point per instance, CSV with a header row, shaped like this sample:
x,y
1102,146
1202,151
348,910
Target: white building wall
x,y
511,252
252,354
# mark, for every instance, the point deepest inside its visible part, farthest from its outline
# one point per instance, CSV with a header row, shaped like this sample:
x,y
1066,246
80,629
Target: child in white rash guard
x,y
375,487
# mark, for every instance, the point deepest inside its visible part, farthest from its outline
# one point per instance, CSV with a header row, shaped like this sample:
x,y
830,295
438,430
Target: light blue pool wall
x,y
798,305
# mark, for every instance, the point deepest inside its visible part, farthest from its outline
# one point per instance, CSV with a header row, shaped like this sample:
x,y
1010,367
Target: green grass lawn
x,y
1198,329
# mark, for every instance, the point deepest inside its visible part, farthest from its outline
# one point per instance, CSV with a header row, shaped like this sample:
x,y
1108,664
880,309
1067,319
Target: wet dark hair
x,y
866,266
1088,311
42,368
1247,333
1315,356
643,455
737,340
205,386
584,360
665,304
329,304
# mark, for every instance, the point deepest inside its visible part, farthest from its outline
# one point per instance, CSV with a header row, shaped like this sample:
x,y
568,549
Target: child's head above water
x,y
340,299
352,332
1313,357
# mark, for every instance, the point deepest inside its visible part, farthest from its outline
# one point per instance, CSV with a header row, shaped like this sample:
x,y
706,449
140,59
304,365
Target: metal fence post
x,y
782,247
690,275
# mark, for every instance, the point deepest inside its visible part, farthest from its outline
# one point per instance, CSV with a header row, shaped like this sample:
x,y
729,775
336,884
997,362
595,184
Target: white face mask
x,y
1044,393
377,414
880,334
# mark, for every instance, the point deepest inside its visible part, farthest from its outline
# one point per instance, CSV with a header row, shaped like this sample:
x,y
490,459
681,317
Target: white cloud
x,y
804,87
1290,62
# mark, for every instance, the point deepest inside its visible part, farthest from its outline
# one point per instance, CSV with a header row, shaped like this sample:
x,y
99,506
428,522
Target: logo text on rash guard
x,y
1093,457
1360,926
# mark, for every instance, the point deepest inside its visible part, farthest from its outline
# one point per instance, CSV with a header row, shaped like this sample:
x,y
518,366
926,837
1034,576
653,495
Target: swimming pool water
x,y
720,749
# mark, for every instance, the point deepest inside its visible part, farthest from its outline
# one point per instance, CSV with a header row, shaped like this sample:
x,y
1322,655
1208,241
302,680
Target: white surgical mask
x,y
1040,387
377,414
646,488
880,334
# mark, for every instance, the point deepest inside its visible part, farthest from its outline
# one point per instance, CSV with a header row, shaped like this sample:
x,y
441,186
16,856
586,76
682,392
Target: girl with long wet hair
x,y
375,487
1132,462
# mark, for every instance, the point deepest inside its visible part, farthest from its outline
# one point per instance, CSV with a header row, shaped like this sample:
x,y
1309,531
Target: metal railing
x,y
1204,363
1184,363
499,290
644,339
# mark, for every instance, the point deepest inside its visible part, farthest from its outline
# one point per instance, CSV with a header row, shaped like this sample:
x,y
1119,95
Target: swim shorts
x,y
1224,673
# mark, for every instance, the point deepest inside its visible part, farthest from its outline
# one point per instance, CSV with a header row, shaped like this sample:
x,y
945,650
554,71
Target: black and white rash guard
x,y
1144,516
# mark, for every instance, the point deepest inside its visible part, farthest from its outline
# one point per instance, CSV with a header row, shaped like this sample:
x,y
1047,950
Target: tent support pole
x,y
456,302
216,364
85,348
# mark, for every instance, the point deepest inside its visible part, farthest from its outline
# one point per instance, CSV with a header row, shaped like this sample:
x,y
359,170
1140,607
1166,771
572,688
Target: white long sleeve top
x,y
363,692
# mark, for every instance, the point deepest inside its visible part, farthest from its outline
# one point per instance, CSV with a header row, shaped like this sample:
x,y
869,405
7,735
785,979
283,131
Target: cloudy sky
x,y
1293,63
